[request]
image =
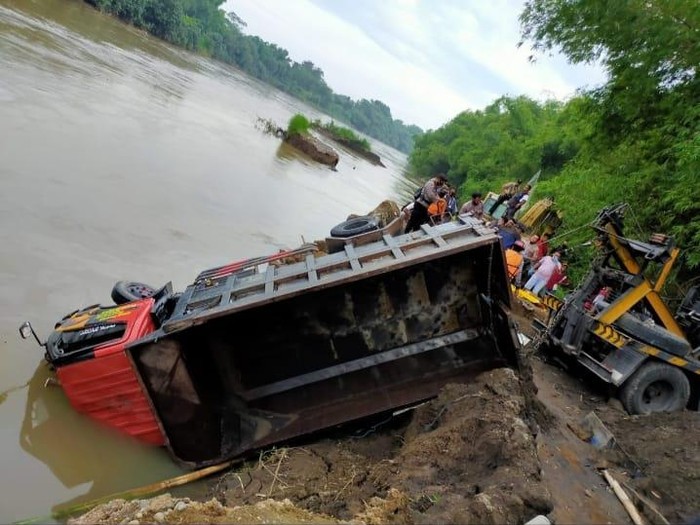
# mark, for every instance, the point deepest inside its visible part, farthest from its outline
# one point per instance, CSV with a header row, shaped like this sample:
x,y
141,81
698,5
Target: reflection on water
x,y
45,424
5,393
124,158
48,433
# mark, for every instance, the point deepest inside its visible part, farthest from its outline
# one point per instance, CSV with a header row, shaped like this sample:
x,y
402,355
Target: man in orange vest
x,y
437,211
514,261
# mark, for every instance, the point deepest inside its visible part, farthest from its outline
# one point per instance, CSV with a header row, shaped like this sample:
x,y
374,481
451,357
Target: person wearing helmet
x,y
427,196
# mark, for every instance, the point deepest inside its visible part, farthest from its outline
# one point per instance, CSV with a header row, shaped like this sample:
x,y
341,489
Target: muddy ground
x,y
501,449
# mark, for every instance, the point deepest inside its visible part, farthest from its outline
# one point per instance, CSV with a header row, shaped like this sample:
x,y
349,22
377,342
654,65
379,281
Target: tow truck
x,y
617,325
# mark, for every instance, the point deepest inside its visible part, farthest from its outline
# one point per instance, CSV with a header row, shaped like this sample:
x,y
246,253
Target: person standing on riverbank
x,y
428,195
544,269
516,202
507,191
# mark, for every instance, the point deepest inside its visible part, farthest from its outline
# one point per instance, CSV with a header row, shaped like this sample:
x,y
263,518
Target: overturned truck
x,y
254,353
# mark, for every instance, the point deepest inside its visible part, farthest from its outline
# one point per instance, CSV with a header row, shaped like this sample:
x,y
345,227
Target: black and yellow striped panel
x,y
609,334
690,365
551,302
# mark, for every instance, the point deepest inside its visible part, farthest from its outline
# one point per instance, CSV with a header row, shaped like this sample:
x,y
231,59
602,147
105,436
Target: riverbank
x,y
501,449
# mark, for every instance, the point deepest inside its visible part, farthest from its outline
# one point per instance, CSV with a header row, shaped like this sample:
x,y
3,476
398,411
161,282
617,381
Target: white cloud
x,y
427,60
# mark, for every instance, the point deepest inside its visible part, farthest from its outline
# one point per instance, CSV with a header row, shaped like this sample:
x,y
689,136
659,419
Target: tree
x,y
201,25
644,146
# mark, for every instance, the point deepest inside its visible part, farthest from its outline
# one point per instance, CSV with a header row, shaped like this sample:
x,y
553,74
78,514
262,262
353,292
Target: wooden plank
x,y
624,498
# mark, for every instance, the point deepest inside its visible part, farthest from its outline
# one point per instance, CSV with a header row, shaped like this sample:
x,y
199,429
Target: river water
x,y
124,158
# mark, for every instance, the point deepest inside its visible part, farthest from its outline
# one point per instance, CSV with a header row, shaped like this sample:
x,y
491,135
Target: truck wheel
x,y
355,227
655,387
127,291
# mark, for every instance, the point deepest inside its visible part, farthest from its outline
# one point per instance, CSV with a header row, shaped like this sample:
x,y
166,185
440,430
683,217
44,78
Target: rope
x,y
569,232
373,428
636,222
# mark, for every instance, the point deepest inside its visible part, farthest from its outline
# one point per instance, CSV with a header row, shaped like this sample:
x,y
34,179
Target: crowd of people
x,y
530,261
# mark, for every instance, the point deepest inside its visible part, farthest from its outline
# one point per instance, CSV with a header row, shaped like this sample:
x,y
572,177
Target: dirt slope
x,y
501,449
655,454
467,456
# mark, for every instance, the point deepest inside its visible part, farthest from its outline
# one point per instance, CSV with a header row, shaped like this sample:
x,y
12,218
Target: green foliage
x,y
645,121
510,139
636,139
298,125
202,26
345,134
655,39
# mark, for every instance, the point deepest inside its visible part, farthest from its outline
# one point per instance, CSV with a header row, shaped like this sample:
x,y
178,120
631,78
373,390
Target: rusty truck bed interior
x,y
235,379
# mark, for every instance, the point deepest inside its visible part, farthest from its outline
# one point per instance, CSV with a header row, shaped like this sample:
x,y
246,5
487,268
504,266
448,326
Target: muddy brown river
x,y
124,158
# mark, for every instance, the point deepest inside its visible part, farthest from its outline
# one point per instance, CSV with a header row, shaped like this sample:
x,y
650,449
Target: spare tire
x,y
355,226
653,335
127,291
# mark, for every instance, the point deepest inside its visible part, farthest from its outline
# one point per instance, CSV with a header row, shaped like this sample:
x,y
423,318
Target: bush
x,y
346,134
298,125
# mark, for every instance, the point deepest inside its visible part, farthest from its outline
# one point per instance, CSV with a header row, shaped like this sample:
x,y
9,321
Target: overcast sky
x,y
427,60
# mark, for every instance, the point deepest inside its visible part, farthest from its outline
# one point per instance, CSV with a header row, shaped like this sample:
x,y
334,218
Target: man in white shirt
x,y
544,269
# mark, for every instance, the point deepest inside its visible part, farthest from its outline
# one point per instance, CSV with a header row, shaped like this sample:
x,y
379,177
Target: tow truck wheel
x,y
127,291
655,387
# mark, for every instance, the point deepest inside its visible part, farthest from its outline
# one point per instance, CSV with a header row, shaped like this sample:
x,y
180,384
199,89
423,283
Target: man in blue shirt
x,y
509,233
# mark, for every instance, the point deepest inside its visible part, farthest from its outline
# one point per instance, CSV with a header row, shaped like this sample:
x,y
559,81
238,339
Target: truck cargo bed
x,y
257,357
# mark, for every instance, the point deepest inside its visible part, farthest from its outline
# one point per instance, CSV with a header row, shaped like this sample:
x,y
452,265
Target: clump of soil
x,y
349,144
304,142
166,509
314,148
467,456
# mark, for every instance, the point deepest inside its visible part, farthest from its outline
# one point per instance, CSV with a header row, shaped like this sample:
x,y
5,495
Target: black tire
x,y
355,226
653,335
655,387
127,291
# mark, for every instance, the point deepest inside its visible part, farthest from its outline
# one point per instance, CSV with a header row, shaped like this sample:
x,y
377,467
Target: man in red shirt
x,y
543,246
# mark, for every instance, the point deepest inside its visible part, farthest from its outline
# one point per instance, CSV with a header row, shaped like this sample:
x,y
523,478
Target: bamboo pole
x,y
624,498
648,505
146,490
